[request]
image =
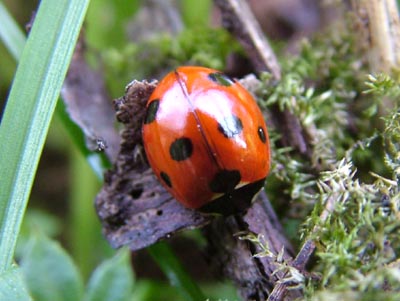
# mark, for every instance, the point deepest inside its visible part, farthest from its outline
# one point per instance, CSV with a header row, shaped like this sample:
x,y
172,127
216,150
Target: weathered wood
x,y
238,19
254,276
378,27
88,104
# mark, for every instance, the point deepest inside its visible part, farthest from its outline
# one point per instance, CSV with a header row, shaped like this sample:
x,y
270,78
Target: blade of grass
x,y
174,271
12,285
29,110
84,227
10,33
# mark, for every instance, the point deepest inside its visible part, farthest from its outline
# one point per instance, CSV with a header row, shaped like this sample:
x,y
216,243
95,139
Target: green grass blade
x,y
12,285
174,271
29,110
10,33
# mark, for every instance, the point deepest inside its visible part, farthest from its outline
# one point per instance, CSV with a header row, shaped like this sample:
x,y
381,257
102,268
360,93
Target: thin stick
x,y
239,19
304,255
379,27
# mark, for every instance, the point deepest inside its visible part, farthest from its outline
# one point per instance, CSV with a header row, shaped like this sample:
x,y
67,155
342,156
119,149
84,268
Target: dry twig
x,y
379,28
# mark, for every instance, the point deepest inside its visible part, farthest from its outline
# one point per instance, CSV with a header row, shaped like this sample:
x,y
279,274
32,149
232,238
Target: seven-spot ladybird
x,y
206,140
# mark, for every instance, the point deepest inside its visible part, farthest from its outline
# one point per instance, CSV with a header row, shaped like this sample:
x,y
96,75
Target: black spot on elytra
x,y
181,149
225,181
230,126
261,134
165,177
151,111
221,79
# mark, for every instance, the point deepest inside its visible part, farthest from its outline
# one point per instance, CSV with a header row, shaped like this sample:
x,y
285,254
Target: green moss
x,y
352,123
158,55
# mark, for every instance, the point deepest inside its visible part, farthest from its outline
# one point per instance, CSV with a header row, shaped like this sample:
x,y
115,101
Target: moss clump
x,y
352,123
159,54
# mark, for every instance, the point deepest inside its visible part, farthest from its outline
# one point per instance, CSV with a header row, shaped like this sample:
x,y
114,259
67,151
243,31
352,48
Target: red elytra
x,y
206,140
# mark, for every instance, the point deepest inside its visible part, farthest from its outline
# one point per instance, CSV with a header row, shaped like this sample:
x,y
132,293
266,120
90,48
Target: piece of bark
x,y
89,105
254,277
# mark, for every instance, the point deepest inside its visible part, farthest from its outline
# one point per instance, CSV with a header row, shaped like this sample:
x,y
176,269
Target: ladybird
x,y
206,140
